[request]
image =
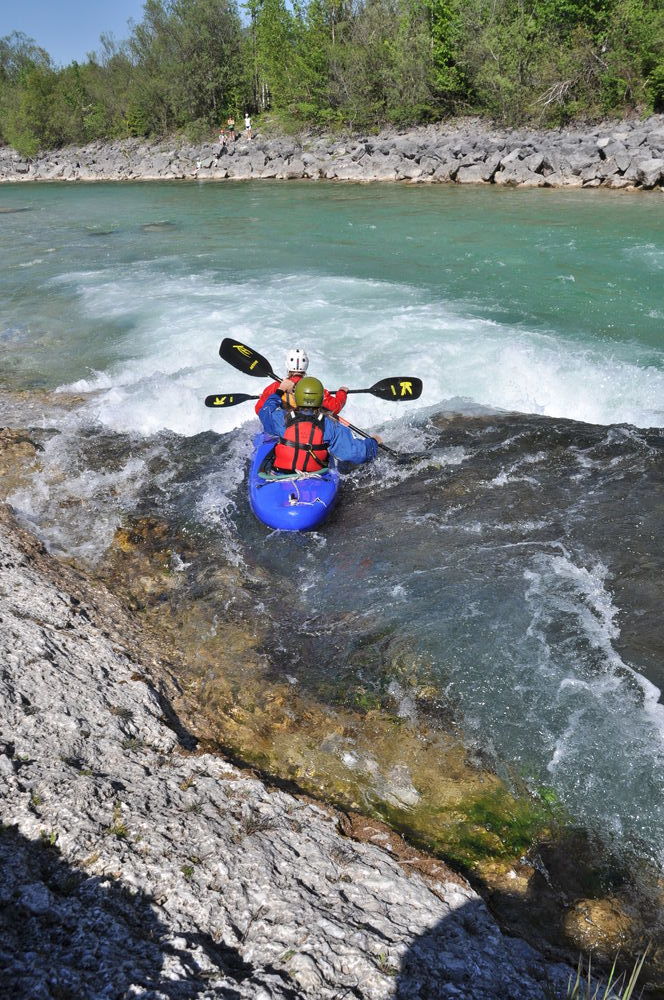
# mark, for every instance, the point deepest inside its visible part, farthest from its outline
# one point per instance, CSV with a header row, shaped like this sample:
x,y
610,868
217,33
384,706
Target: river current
x,y
521,556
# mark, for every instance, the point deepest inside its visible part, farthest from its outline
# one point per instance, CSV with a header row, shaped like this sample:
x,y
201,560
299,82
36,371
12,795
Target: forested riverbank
x,y
189,64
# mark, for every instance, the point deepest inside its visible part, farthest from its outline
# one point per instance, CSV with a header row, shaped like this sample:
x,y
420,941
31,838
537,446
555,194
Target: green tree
x,y
447,37
19,53
25,71
187,62
359,63
27,121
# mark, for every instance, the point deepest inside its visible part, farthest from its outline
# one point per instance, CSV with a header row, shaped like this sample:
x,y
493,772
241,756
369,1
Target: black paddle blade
x,y
397,389
244,359
227,399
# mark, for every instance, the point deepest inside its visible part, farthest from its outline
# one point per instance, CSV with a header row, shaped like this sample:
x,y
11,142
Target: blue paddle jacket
x,y
339,439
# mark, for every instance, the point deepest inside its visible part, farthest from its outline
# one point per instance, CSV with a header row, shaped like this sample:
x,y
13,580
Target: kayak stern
x,y
295,504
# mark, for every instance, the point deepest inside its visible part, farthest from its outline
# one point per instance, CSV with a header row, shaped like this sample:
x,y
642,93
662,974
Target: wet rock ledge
x,y
134,864
627,154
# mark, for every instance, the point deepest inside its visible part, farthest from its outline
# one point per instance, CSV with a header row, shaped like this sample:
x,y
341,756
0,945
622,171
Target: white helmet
x,y
297,360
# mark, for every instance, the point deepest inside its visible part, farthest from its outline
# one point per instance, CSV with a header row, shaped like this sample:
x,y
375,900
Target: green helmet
x,y
309,392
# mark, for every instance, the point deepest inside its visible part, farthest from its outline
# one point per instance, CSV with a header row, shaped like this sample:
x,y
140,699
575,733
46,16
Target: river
x,y
520,560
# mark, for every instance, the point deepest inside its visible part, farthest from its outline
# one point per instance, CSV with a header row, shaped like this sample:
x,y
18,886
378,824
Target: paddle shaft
x,y
358,430
225,399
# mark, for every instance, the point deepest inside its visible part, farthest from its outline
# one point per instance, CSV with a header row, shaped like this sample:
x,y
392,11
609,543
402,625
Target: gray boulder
x,y
346,171
160,163
512,157
517,174
617,152
592,172
383,168
256,160
445,172
271,168
240,170
616,181
294,170
407,148
609,167
409,170
473,174
176,874
490,166
534,162
656,139
650,171
579,162
429,163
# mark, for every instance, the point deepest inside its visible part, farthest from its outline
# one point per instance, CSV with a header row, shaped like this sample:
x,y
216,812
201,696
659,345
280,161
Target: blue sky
x,y
68,29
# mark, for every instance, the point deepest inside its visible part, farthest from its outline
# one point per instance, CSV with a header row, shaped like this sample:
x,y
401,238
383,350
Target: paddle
x,y
393,389
228,399
250,362
245,360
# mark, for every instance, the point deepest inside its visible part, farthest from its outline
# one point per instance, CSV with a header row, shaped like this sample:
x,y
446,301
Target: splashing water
x,y
490,557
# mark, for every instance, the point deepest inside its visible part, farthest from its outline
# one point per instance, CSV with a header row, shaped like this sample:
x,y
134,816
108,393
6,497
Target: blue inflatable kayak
x,y
293,503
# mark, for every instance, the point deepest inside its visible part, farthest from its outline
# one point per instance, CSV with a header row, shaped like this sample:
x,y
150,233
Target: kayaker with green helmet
x,y
308,435
297,362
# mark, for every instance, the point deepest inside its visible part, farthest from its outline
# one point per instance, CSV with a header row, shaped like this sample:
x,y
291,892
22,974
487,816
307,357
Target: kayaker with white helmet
x,y
297,363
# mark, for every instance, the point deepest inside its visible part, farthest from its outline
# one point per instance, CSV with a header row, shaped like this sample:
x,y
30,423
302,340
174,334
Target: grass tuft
x,y
582,987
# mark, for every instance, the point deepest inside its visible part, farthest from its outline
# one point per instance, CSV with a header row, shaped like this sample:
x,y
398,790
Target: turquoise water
x,y
526,564
539,301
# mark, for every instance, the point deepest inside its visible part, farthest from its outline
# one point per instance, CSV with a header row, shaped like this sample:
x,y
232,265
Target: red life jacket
x,y
302,447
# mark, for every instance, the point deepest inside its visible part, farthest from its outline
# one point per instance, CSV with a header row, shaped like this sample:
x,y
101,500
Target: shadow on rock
x,y
466,956
64,934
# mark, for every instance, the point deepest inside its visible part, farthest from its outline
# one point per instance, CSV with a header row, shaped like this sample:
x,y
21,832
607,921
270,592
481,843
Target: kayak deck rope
x,y
280,477
295,499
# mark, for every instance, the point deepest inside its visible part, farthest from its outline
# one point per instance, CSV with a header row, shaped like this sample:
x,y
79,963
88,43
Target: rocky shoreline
x,y
618,155
137,864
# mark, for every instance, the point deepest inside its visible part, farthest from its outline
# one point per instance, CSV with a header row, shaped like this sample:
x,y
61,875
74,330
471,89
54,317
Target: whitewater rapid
x,y
356,331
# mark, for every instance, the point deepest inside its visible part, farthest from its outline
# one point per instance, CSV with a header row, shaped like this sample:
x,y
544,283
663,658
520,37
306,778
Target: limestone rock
x,y
134,866
650,171
470,175
573,157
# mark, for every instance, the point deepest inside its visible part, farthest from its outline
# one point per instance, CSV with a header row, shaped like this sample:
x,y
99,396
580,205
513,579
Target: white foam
x,y
648,254
90,504
563,588
356,331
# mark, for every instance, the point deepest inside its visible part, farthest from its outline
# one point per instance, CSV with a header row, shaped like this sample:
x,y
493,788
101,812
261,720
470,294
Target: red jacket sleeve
x,y
334,401
272,387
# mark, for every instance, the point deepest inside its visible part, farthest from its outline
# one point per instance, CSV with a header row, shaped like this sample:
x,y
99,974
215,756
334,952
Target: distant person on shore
x,y
297,362
229,131
308,435
247,125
